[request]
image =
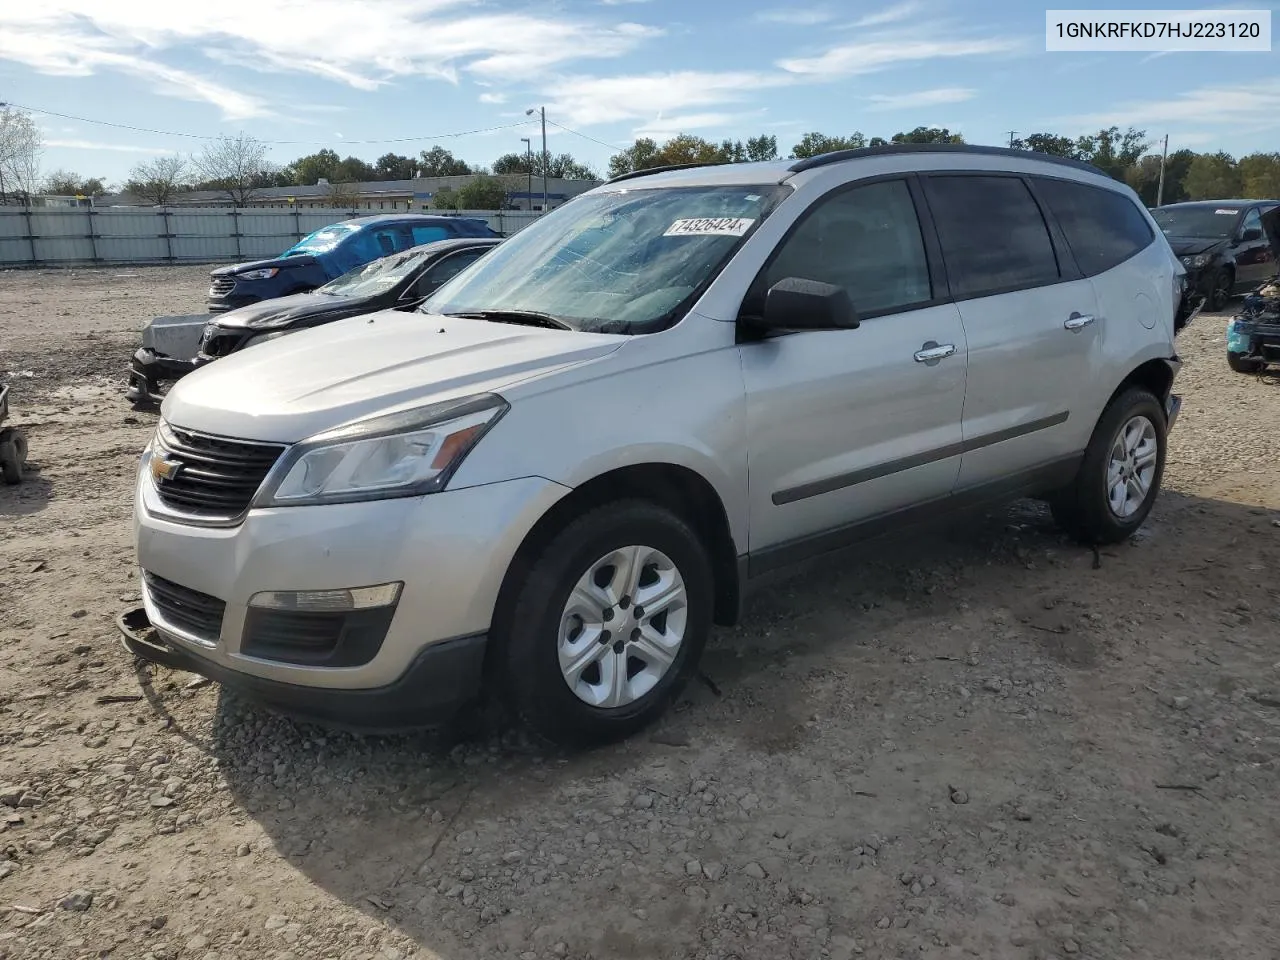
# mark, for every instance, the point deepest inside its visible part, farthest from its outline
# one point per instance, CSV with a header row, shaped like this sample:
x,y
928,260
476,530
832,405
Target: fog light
x,y
328,601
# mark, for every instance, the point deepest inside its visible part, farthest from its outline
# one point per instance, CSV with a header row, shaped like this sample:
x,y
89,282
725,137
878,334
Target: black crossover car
x,y
1253,334
398,282
1222,245
331,252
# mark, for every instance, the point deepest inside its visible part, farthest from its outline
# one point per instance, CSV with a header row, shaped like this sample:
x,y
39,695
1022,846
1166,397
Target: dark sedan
x,y
329,253
1222,245
398,282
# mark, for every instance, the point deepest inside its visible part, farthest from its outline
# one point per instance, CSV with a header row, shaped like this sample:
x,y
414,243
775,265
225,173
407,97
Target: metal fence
x,y
51,236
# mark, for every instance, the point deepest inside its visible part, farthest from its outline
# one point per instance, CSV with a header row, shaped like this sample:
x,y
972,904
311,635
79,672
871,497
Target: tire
x,y
1085,509
1238,363
13,453
539,634
1220,285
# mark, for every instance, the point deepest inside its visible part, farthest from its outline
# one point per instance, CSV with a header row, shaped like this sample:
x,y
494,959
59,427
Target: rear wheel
x,y
13,454
1238,363
609,624
1120,474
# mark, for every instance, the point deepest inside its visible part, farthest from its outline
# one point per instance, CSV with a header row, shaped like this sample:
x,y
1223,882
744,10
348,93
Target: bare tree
x,y
20,150
235,165
344,195
158,180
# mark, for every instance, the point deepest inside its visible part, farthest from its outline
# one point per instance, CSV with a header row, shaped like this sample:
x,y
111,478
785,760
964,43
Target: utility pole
x,y
546,159
528,149
1164,155
1011,133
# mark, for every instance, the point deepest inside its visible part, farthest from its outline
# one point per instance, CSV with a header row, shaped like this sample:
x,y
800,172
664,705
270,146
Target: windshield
x,y
323,240
375,277
623,262
1196,221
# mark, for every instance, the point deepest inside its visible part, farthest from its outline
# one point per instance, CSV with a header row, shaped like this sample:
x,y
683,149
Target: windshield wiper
x,y
527,318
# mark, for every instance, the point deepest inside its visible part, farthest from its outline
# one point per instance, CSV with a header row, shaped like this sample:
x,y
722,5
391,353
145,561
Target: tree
x,y
763,147
641,155
560,167
64,183
815,144
1111,151
235,165
439,162
446,198
927,135
354,170
20,150
482,193
311,169
1049,143
393,166
344,194
1213,176
1260,176
157,180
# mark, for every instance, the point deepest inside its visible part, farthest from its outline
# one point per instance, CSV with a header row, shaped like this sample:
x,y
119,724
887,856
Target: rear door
x,y
1030,320
848,425
1255,261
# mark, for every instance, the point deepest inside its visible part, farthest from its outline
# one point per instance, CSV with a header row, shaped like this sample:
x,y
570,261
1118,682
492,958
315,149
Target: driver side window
x,y
1252,221
866,240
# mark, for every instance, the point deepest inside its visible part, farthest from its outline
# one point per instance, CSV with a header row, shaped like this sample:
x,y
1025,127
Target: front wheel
x,y
13,454
1220,285
1120,474
609,624
1238,363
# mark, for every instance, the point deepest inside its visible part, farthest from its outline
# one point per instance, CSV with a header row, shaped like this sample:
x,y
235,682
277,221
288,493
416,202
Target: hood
x,y
281,262
282,311
1190,246
288,389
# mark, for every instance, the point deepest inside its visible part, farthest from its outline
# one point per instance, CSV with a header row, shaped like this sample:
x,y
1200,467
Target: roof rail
x,y
839,156
671,166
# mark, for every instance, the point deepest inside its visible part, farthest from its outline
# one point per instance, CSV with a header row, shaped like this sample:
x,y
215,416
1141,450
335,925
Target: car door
x,y
438,273
844,426
1030,320
1255,260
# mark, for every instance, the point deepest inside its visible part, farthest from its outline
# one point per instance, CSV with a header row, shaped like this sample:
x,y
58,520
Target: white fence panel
x,y
45,236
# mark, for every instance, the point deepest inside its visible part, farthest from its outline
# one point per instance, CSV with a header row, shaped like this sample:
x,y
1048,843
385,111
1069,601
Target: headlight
x,y
398,455
1196,262
266,273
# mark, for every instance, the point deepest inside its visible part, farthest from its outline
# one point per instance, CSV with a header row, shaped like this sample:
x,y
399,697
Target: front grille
x,y
220,286
332,639
190,611
212,475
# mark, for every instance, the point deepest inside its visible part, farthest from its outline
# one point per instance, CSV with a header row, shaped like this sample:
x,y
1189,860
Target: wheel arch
x,y
1156,374
678,488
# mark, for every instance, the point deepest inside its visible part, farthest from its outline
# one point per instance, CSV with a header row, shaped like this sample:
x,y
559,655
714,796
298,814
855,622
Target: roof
x,y
407,217
1230,204
454,243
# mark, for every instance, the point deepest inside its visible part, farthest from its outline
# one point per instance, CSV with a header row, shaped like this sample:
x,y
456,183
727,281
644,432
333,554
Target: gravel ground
x,y
982,742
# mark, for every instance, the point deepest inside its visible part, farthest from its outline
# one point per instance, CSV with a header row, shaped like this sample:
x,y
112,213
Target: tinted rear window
x,y
1103,228
993,235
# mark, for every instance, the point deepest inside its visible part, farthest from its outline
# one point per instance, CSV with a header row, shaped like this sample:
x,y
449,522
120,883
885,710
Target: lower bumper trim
x,y
442,679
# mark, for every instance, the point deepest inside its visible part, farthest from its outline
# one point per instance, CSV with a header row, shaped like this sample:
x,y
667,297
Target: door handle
x,y
1078,321
932,351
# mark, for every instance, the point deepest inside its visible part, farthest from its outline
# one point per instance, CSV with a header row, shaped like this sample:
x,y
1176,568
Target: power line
x,y
611,146
202,136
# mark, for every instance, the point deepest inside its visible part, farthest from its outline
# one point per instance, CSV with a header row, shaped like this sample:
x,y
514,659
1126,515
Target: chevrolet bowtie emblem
x,y
165,469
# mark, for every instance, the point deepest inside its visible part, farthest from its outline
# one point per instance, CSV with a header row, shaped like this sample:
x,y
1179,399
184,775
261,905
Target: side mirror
x,y
1253,233
798,304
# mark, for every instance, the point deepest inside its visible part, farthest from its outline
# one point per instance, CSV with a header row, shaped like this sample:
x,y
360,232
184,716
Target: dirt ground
x,y
980,742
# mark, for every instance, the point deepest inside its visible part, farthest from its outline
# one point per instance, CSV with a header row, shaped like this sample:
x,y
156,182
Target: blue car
x,y
329,253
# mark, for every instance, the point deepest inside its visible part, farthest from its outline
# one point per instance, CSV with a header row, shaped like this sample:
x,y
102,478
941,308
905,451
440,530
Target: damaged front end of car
x,y
1253,334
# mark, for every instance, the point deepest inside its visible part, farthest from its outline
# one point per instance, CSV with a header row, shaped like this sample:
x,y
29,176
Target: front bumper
x,y
439,681
1254,339
149,369
451,551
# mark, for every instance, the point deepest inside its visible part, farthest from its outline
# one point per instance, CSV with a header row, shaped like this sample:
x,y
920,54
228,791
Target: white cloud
x,y
874,54
795,16
96,146
1252,103
921,98
581,101
362,45
893,14
493,98
621,3
662,128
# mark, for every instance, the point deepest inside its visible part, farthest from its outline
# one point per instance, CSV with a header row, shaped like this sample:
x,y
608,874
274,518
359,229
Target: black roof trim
x,y
839,156
651,170
1217,203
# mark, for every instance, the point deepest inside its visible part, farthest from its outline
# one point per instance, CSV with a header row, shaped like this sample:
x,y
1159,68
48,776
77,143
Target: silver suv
x,y
590,444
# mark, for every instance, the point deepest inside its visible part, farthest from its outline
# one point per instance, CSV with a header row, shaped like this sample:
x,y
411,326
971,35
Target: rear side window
x,y
993,235
866,240
1103,228
429,234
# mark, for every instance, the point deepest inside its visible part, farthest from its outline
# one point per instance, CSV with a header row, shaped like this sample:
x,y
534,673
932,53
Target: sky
x,y
359,75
